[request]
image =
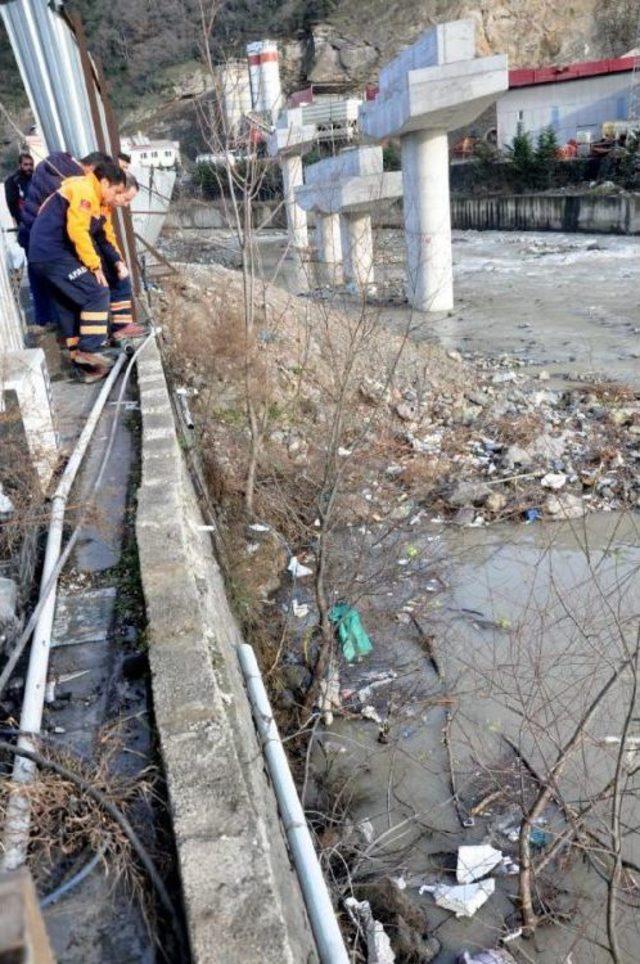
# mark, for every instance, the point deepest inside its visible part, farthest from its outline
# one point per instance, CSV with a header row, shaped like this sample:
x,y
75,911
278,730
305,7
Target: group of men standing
x,y
79,279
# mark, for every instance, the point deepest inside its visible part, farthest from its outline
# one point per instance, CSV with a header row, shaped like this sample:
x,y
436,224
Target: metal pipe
x,y
18,811
323,920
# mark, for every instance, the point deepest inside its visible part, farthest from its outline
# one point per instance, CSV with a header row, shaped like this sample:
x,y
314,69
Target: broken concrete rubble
x,y
469,493
378,943
449,438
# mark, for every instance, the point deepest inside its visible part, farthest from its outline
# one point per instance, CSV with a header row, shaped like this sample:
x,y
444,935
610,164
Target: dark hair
x,y
124,157
24,154
131,182
95,157
109,171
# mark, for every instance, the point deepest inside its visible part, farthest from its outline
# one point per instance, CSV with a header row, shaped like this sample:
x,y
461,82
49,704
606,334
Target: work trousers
x,y
120,296
75,290
44,308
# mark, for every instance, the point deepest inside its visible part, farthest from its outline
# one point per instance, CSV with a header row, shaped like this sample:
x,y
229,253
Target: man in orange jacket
x,y
116,271
63,251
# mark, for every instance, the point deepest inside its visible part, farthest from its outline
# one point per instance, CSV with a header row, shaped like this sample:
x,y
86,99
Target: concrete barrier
x,y
588,213
241,895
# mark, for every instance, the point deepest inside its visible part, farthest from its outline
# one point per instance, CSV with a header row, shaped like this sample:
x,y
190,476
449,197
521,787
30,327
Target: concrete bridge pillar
x,y
288,141
328,239
291,167
343,191
357,251
427,220
435,86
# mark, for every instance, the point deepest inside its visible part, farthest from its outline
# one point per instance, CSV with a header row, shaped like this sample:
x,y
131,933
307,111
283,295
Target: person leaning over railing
x,y
47,178
62,251
115,269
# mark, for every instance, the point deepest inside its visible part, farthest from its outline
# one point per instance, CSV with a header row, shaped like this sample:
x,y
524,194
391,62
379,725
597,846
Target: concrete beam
x,y
291,135
446,43
353,195
436,98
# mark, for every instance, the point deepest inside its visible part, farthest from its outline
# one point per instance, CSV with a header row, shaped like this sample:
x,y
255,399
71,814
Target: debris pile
x,y
478,440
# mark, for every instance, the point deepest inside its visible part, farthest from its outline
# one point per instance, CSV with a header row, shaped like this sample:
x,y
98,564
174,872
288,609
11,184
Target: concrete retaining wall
x,y
594,214
212,215
241,895
588,213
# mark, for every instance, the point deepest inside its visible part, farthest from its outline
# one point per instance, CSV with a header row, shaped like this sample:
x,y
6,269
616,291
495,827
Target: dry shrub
x,y
66,822
611,393
20,483
424,472
521,430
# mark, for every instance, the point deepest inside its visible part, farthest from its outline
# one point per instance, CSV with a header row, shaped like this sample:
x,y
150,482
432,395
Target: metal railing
x,y
12,320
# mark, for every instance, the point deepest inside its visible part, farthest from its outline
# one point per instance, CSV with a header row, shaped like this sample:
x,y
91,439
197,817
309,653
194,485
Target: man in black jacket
x,y
15,186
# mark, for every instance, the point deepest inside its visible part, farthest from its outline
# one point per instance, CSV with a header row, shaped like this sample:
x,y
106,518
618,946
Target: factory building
x,y
575,100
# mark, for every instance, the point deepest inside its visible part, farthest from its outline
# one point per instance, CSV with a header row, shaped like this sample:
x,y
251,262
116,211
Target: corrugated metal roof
x,y
527,77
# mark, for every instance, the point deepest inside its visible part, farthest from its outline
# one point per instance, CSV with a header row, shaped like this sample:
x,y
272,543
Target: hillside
x,y
150,50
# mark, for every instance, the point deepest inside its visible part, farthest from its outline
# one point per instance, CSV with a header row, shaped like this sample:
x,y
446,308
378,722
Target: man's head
x,y
131,188
111,180
124,160
90,162
25,163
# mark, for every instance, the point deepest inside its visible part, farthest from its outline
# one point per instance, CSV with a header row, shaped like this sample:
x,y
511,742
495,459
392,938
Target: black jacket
x,y
15,189
47,178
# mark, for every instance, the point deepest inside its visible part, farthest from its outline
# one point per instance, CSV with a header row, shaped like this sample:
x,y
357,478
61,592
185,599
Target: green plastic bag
x,y
351,633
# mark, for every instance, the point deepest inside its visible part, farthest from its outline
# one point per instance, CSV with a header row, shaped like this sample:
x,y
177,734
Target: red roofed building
x,y
578,97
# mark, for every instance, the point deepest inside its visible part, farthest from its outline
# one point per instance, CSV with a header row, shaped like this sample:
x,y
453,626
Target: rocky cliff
x,y
358,37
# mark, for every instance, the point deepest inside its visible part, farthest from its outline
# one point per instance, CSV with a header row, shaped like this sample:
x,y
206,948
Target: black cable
x,y
124,825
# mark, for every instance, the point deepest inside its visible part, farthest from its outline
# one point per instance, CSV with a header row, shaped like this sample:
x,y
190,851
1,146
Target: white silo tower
x,y
264,71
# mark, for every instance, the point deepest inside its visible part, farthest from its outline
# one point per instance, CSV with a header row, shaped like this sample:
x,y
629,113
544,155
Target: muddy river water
x,y
528,621
527,625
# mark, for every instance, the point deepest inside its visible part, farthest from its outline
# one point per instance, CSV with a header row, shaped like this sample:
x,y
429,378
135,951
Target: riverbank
x,y
489,640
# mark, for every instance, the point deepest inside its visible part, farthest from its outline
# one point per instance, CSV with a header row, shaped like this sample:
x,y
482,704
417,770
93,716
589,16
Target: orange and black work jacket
x,y
69,222
105,238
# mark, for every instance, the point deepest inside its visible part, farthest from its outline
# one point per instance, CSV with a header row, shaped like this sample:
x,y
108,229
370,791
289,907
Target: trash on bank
x,y
6,505
297,570
554,481
497,955
351,633
329,695
378,680
378,943
532,515
299,610
371,713
539,837
475,862
464,899
366,831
